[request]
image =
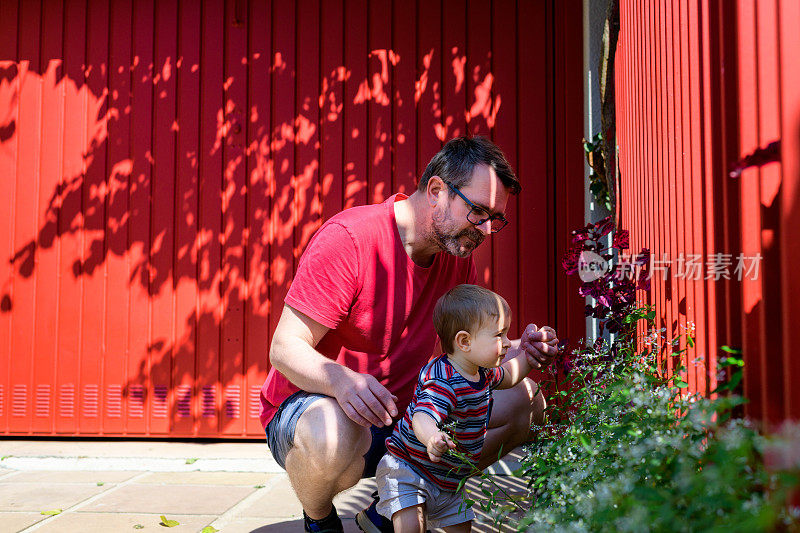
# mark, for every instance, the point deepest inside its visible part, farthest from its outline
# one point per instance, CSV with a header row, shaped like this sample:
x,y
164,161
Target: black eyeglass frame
x,y
476,208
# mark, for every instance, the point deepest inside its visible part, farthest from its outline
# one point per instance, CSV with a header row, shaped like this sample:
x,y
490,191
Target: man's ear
x,y
463,341
435,189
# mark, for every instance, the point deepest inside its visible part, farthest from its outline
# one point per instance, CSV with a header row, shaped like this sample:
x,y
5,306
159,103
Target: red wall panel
x,y
165,164
713,89
789,201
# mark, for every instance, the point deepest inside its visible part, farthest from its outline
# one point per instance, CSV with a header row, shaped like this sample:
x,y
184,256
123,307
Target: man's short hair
x,y
466,307
456,160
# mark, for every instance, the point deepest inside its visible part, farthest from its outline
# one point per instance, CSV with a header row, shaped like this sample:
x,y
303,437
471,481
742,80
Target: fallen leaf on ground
x,y
169,523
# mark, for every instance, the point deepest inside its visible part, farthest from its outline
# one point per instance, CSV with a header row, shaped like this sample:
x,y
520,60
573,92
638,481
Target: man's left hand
x,y
539,344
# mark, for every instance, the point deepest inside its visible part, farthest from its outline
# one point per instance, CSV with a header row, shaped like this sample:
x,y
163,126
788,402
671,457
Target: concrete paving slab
x,y
44,497
354,500
206,478
512,485
278,525
147,479
19,521
167,499
150,464
49,476
266,525
108,522
276,500
128,448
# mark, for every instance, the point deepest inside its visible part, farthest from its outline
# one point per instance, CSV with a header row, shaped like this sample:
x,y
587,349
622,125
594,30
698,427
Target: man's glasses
x,y
478,216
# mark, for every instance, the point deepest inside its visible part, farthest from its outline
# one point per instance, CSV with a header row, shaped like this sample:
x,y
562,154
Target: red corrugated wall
x,y
702,85
164,164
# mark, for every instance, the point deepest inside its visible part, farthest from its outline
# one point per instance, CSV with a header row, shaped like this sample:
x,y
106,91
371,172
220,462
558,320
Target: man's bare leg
x,y
327,456
513,412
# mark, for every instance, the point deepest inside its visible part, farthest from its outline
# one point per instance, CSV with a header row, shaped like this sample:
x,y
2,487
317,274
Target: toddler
x,y
417,478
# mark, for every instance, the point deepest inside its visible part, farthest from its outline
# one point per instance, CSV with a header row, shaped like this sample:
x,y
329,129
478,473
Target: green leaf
x,y
585,443
731,361
730,350
680,383
690,341
191,461
259,486
168,523
138,526
5,457
52,512
735,379
209,529
101,483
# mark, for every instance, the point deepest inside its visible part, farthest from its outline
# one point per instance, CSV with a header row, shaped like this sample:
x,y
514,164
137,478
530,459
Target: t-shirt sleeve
x,y
326,282
495,376
436,398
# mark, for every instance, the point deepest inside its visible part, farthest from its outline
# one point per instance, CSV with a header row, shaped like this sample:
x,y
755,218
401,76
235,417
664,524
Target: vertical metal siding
x,y
164,165
789,204
700,86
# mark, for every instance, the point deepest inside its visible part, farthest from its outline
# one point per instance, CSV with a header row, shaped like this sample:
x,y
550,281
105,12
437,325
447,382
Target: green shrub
x,y
626,450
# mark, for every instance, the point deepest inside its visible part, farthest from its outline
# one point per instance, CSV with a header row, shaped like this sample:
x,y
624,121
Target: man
x,y
356,328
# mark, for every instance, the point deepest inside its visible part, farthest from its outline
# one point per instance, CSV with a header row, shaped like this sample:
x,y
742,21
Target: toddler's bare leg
x,y
410,519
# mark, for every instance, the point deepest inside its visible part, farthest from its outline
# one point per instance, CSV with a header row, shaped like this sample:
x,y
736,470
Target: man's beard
x,y
455,244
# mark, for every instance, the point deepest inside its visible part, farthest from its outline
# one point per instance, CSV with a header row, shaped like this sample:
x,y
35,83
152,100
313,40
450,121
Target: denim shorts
x,y
400,487
280,431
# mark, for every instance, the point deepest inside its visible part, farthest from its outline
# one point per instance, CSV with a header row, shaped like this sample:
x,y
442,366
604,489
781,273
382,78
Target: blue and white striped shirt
x,y
449,399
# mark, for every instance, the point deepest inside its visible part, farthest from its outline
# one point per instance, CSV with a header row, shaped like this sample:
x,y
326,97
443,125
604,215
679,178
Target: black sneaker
x,y
330,524
370,521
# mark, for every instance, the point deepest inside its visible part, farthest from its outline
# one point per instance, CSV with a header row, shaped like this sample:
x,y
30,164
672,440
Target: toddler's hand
x,y
438,444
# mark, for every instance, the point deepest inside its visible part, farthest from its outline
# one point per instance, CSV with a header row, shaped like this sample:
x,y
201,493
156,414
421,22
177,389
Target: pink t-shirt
x,y
356,278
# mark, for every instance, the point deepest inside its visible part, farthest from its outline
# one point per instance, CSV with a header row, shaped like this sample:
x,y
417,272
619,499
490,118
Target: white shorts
x,y
400,487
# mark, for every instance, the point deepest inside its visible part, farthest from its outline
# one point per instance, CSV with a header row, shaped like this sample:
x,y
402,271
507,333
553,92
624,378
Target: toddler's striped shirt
x,y
447,397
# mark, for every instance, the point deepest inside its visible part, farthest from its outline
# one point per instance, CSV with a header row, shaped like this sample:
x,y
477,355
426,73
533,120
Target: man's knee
x,y
527,404
537,402
327,439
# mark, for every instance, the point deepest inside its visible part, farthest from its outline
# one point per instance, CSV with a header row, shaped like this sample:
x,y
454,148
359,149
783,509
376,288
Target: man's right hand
x,y
365,401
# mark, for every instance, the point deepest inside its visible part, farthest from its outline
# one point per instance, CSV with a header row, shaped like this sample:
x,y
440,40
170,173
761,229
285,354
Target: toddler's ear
x,y
463,341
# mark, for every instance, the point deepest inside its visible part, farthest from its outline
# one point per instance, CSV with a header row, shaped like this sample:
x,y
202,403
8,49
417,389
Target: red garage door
x,y
164,164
